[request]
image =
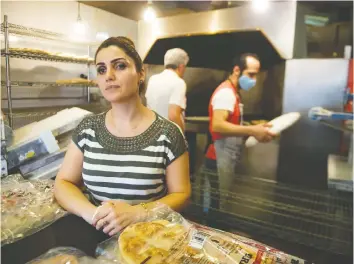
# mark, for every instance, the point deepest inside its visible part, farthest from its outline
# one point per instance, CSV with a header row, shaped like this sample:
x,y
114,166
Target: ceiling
x,y
134,9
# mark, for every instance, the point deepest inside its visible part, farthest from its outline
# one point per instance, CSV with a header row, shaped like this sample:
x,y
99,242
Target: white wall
x,y
278,23
56,16
59,16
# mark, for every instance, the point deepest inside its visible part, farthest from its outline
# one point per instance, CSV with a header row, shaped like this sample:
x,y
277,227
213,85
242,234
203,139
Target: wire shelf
x,y
314,218
39,114
19,30
50,84
24,117
46,57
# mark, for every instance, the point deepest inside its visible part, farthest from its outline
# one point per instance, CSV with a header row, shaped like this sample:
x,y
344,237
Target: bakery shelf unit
x,y
9,29
47,84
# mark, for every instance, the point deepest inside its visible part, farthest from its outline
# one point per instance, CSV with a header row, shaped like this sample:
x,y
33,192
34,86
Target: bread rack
x,y
17,30
320,219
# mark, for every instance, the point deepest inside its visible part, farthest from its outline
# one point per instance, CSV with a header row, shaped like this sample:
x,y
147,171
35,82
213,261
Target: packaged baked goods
x,y
26,207
166,237
66,255
150,242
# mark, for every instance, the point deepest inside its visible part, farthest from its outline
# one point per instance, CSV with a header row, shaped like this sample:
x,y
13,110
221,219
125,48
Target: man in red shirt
x,y
226,117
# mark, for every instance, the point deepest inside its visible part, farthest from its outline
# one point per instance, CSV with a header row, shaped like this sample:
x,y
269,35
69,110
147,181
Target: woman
x,y
129,157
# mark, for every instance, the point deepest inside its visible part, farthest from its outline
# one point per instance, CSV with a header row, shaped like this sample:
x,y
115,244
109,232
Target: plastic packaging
x,y
66,255
149,243
26,207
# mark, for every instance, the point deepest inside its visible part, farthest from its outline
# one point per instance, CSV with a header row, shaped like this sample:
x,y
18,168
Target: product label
x,y
198,239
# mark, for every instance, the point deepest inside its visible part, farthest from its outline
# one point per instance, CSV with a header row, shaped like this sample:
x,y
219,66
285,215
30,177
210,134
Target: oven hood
x,y
216,50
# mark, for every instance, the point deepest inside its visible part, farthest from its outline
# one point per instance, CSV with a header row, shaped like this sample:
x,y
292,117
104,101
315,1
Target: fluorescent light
x,y
260,5
149,14
316,20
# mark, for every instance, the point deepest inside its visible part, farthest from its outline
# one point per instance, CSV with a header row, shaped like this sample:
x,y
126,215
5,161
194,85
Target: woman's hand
x,y
114,216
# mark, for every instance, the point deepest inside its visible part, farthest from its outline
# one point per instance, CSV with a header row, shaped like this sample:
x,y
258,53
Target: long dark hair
x,y
127,45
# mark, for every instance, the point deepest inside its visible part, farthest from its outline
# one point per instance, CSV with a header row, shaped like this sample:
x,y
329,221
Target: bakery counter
x,y
72,231
68,231
311,224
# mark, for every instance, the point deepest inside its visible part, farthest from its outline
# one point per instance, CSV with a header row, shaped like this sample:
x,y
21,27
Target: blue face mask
x,y
246,83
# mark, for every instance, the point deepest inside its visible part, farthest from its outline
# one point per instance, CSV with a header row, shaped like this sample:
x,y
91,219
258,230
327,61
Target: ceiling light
x,y
149,14
316,20
260,5
79,27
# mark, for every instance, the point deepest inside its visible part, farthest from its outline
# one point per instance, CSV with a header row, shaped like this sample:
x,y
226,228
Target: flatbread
x,y
75,81
149,242
29,50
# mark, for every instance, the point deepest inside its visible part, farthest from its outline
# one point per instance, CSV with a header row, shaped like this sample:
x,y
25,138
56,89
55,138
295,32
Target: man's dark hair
x,y
241,61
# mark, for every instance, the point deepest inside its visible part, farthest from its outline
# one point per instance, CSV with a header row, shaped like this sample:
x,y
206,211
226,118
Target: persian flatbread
x,y
149,242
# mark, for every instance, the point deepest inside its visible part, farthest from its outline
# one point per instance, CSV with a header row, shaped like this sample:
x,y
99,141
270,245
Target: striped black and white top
x,y
130,169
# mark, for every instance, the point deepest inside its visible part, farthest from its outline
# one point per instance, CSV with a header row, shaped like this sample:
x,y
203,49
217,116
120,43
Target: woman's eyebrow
x,y
117,59
112,61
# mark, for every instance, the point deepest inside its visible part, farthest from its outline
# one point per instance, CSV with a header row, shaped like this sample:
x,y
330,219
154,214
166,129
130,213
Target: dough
x,y
29,50
76,81
149,242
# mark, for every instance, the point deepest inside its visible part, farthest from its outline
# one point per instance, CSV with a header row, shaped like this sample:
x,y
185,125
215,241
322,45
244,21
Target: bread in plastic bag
x,y
27,207
66,255
166,237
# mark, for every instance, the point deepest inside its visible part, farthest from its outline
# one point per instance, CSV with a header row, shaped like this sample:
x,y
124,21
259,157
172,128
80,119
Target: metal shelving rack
x,y
45,84
34,56
317,218
18,30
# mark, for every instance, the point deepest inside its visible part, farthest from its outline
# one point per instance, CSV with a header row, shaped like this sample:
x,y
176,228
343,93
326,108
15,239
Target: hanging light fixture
x,y
260,6
149,14
79,27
